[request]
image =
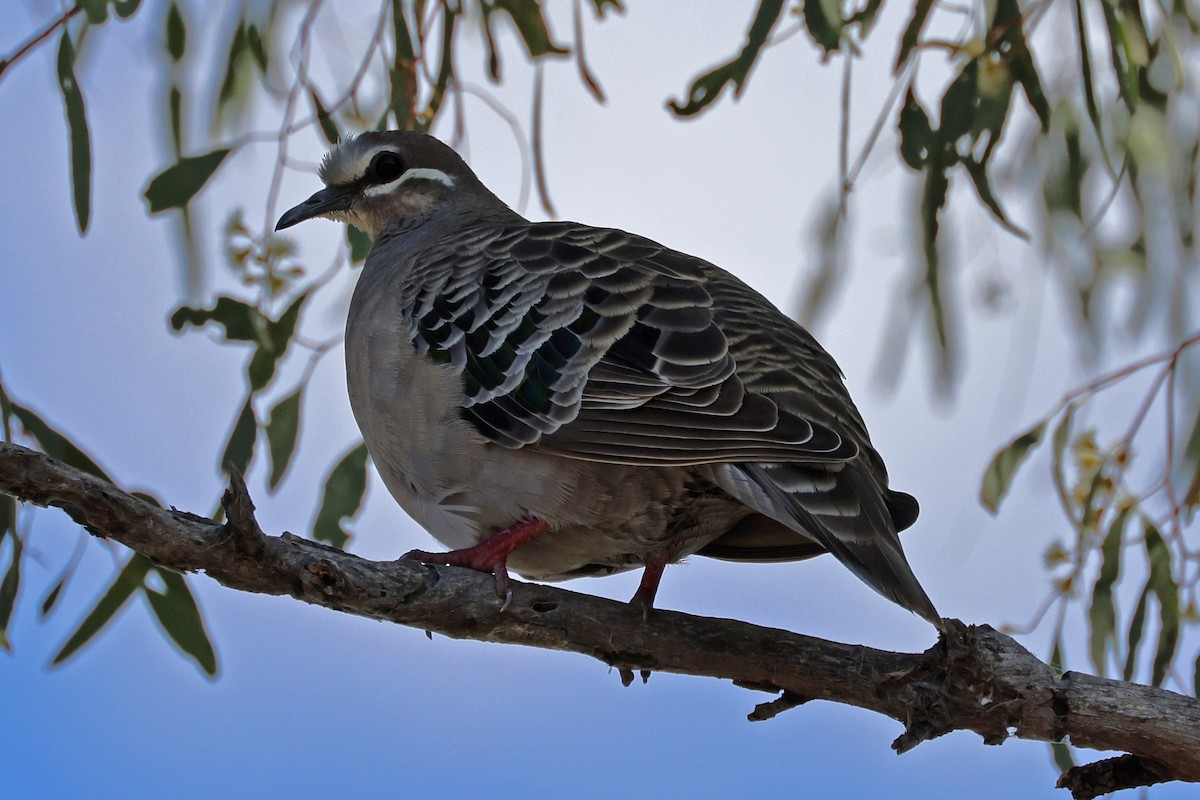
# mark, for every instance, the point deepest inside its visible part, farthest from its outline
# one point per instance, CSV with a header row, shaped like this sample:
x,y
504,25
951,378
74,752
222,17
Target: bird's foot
x,y
490,555
643,598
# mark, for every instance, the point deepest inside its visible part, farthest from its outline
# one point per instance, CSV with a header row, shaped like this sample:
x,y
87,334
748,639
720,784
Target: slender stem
x,y
8,61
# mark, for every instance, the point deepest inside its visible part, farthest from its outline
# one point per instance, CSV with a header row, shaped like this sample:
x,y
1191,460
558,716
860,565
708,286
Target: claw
x,y
490,555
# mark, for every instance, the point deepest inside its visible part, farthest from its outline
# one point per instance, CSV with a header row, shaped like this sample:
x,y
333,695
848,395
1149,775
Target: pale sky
x,y
316,703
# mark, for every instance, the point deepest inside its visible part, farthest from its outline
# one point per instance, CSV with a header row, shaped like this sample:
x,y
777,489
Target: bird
x,y
566,400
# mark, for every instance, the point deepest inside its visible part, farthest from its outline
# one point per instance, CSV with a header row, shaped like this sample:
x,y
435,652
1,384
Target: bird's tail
x,y
844,512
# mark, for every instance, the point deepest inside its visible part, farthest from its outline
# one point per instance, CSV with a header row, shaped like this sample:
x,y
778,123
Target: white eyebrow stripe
x,y
412,174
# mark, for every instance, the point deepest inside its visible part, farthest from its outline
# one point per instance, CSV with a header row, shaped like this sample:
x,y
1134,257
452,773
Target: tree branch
x,y
973,679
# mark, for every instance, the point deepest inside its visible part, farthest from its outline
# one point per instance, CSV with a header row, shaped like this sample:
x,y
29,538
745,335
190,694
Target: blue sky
x,y
313,702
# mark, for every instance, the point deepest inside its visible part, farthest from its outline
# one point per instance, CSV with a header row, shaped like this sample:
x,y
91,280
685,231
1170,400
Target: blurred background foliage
x,y
1075,124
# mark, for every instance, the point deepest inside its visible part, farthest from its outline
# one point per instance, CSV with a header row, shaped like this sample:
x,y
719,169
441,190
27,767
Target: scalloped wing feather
x,y
600,345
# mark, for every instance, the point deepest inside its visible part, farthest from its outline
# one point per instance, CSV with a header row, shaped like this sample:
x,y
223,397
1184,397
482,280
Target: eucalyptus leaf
x,y
176,611
531,25
1102,614
1009,21
52,596
342,498
1166,590
602,6
237,49
324,120
282,429
912,31
9,588
979,179
1003,466
708,87
239,448
360,244
1133,640
916,133
127,582
176,33
175,186
824,23
81,143
239,321
53,443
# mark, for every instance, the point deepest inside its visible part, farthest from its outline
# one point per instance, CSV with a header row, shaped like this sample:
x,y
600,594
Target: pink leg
x,y
643,598
490,555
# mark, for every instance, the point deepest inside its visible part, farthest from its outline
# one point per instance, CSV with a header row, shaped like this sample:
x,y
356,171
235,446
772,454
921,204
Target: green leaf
x,y
960,104
51,598
1085,71
175,110
240,447
241,322
916,134
8,515
933,199
177,613
1057,662
1191,455
360,244
1004,464
912,31
1127,49
273,344
531,25
402,38
602,6
1102,614
342,499
8,590
261,368
125,8
324,120
865,17
256,47
128,581
1162,583
176,33
706,88
1063,759
823,19
1010,22
280,333
81,145
1134,640
1061,438
403,90
979,180
176,185
282,428
1196,676
237,48
96,11
56,444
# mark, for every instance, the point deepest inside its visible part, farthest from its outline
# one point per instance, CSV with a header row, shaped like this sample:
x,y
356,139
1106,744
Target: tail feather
x,y
848,516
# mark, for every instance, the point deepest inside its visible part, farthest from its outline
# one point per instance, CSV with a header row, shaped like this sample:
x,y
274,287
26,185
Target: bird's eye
x,y
387,166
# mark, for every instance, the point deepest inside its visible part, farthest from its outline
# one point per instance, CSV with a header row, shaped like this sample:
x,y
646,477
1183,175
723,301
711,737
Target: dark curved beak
x,y
326,201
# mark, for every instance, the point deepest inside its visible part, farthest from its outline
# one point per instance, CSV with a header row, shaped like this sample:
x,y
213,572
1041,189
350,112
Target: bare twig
x,y
38,38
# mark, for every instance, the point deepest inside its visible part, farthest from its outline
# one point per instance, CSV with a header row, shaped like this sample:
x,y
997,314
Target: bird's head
x,y
391,179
